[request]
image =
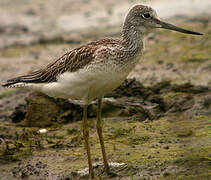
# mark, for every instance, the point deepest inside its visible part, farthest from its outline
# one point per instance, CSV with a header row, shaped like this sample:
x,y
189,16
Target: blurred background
x,y
74,22
36,32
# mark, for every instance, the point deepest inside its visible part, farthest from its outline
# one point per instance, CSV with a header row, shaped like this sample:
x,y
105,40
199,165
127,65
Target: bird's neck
x,y
132,37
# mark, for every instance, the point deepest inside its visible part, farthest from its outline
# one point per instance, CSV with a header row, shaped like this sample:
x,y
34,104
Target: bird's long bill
x,y
175,28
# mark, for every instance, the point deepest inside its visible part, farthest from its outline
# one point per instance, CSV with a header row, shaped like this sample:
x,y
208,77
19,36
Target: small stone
x,y
42,131
166,147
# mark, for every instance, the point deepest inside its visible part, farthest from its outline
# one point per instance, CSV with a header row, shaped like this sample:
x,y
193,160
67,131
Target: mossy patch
x,y
163,143
121,132
185,133
172,95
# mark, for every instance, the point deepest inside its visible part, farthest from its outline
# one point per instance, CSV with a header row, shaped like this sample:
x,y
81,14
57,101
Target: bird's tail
x,y
14,83
21,81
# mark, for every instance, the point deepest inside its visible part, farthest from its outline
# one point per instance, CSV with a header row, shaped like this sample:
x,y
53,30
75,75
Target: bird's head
x,y
144,18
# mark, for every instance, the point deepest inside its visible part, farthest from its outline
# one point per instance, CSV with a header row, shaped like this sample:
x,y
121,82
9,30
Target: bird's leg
x,y
86,139
99,131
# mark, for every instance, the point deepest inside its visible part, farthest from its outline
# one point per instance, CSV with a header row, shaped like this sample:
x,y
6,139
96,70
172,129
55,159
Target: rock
x,y
130,88
41,110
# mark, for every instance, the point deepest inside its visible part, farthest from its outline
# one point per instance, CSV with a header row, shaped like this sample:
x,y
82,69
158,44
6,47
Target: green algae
x,y
172,95
135,143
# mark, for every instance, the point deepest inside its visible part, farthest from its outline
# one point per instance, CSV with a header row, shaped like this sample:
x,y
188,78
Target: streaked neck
x,y
132,37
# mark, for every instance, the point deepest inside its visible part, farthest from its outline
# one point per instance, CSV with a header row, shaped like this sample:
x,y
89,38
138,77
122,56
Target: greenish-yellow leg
x,y
86,140
99,131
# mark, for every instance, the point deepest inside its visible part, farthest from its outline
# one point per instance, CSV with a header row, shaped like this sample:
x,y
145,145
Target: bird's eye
x,y
146,15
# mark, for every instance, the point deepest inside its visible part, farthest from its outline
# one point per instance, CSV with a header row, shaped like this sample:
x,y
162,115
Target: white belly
x,y
86,85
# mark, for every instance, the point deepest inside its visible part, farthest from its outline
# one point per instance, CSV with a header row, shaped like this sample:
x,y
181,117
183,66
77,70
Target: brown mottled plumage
x,y
94,69
71,61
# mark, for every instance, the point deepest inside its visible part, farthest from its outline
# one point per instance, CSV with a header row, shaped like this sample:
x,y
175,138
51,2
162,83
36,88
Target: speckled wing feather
x,y
71,61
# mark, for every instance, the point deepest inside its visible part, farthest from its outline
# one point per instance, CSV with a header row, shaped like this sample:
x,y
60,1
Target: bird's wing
x,y
71,61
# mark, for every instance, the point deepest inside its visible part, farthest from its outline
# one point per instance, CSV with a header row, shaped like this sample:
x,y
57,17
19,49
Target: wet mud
x,y
131,104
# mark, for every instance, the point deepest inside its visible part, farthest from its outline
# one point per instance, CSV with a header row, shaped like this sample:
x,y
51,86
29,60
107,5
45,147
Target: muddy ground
x,y
156,125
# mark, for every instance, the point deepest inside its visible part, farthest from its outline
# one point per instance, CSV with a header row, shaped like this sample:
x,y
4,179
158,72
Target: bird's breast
x,y
91,82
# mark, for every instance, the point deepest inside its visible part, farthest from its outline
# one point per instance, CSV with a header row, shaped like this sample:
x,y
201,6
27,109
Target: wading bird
x,y
95,69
